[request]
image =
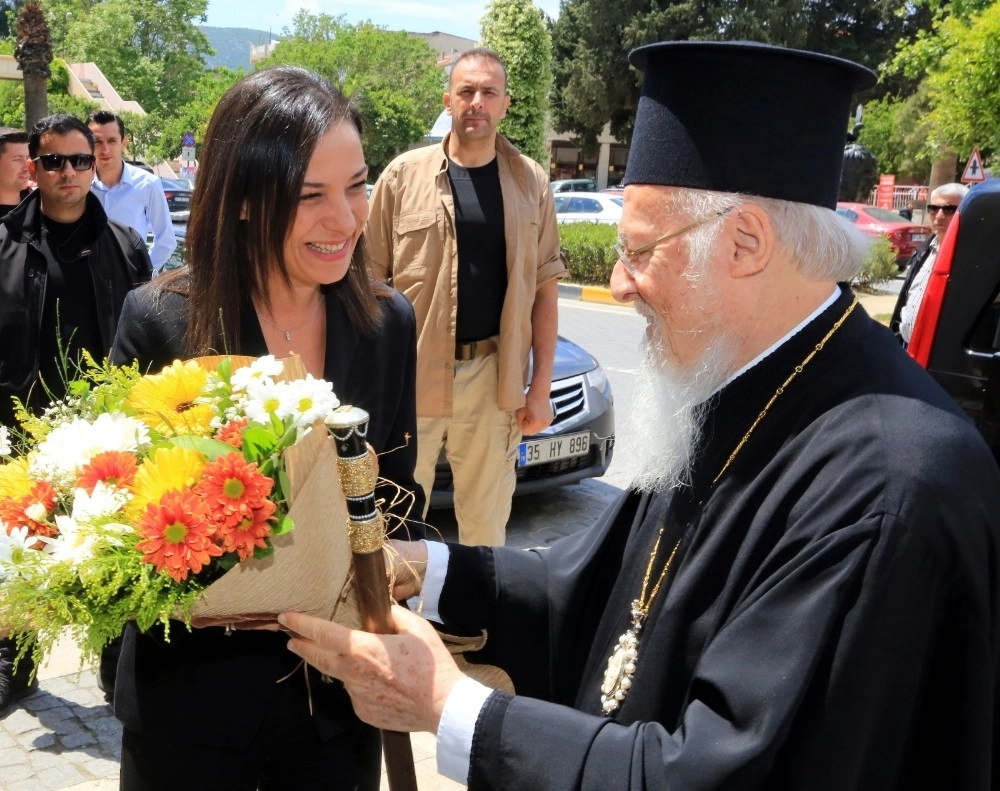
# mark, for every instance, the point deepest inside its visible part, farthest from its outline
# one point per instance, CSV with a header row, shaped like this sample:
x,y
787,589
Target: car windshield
x,y
884,215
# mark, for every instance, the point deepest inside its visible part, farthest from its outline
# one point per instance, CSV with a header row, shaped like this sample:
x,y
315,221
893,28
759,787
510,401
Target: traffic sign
x,y
187,153
974,168
188,140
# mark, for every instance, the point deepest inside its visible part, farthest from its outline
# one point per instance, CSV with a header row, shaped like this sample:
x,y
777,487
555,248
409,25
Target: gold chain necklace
x,y
288,333
625,656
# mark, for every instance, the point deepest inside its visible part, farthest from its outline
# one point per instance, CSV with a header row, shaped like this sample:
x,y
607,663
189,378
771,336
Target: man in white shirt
x,y
129,194
941,208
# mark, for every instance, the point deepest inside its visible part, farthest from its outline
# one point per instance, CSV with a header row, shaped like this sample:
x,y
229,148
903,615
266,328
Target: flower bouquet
x,y
173,496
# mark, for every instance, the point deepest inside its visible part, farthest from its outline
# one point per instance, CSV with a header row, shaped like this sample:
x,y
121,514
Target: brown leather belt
x,y
474,349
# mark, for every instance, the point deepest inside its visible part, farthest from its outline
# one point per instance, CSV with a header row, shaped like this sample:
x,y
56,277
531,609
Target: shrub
x,y
587,249
880,265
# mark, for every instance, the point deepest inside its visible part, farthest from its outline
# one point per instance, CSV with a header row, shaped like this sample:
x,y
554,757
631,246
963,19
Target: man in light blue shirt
x,y
129,194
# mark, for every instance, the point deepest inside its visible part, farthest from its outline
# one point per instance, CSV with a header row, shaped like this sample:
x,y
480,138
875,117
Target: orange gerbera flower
x,y
232,488
177,535
232,432
249,532
33,510
113,467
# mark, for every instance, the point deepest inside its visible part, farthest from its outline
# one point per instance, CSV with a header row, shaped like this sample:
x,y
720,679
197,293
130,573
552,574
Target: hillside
x,y
232,45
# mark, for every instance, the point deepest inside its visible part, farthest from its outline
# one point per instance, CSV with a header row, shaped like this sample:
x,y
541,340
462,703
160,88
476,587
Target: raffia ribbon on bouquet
x,y
310,568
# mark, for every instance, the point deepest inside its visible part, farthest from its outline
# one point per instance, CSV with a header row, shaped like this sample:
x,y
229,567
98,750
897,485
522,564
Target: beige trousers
x,y
480,442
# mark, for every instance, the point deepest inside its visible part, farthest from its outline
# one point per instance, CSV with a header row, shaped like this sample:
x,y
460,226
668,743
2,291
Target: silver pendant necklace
x,y
625,657
288,332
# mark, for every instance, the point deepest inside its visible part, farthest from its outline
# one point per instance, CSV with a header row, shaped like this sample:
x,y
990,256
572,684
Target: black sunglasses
x,y
56,162
933,207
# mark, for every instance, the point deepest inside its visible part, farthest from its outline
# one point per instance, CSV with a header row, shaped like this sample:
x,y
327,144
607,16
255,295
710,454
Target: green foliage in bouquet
x,y
127,498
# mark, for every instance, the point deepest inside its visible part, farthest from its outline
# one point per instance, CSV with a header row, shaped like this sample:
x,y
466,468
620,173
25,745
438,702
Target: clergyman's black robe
x,y
830,622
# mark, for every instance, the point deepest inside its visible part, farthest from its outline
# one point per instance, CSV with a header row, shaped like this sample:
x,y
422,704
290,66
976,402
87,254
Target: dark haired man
x,y
129,194
800,589
14,178
64,271
467,231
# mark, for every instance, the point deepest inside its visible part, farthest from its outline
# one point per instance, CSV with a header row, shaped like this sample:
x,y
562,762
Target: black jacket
x,y
117,259
211,688
913,265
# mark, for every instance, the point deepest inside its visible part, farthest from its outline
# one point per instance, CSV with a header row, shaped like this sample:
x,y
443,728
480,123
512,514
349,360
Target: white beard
x,y
661,434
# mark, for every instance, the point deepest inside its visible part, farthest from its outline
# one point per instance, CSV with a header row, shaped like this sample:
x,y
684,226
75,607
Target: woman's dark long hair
x,y
257,149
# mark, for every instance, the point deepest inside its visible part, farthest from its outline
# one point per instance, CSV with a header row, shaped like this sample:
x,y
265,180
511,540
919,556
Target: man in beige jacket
x,y
467,231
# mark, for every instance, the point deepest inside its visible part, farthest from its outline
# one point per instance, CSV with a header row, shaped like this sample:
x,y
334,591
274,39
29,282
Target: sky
x,y
457,17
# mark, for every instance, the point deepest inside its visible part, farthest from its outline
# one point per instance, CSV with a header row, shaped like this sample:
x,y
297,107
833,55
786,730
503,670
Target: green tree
x,y
8,16
516,31
964,86
591,40
152,51
391,75
159,137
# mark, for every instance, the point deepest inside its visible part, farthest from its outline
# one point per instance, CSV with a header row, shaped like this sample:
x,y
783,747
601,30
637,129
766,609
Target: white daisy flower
x,y
4,441
71,445
311,400
266,367
14,547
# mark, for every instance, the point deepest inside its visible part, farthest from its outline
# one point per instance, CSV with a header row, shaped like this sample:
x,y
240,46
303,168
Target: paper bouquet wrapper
x,y
310,568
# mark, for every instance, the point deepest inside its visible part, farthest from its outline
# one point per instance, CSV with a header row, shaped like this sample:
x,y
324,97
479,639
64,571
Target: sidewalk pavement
x,y
64,736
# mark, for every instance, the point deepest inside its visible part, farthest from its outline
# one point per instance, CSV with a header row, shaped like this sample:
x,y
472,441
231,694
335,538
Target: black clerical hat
x,y
743,117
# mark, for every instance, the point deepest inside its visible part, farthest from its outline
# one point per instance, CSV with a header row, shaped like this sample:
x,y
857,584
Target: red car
x,y
904,236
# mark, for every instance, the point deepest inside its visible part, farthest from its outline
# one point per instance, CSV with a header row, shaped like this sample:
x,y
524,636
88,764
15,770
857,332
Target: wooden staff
x,y
366,529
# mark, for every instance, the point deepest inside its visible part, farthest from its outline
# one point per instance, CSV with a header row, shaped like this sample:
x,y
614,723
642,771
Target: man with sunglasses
x,y
941,208
64,267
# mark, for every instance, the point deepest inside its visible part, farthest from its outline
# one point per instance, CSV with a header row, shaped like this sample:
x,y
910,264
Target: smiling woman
x,y
274,265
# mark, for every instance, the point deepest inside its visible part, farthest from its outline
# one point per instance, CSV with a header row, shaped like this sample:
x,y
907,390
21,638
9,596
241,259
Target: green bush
x,y
587,249
880,266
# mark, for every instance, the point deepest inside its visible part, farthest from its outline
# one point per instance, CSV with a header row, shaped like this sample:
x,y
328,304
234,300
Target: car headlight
x,y
597,379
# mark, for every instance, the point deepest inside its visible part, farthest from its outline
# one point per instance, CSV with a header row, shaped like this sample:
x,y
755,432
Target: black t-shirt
x,y
482,250
69,295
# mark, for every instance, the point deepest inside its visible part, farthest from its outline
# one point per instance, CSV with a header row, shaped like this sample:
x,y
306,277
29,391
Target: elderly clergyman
x,y
801,590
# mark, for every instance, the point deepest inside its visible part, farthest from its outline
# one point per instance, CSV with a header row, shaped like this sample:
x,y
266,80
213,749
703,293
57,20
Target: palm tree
x,y
34,54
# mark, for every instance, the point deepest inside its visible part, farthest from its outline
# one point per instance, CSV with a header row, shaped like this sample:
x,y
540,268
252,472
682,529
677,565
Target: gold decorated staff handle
x,y
366,529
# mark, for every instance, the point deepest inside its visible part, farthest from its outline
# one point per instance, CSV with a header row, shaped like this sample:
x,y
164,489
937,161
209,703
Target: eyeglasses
x,y
56,162
627,257
933,207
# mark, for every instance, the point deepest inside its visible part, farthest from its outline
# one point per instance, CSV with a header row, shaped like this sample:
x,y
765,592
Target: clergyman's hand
x,y
397,682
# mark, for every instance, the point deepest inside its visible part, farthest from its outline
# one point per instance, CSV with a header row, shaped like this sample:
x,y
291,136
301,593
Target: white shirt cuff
x,y
458,726
426,603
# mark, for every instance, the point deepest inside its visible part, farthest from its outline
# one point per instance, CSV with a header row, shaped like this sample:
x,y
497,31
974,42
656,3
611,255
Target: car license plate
x,y
539,451
917,237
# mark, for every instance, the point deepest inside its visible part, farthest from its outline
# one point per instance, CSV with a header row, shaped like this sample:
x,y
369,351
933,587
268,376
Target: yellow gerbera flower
x,y
167,469
14,480
166,401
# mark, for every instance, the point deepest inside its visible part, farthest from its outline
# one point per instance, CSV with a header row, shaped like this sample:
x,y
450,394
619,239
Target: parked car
x,y
957,333
573,185
579,443
588,207
178,194
179,221
904,235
